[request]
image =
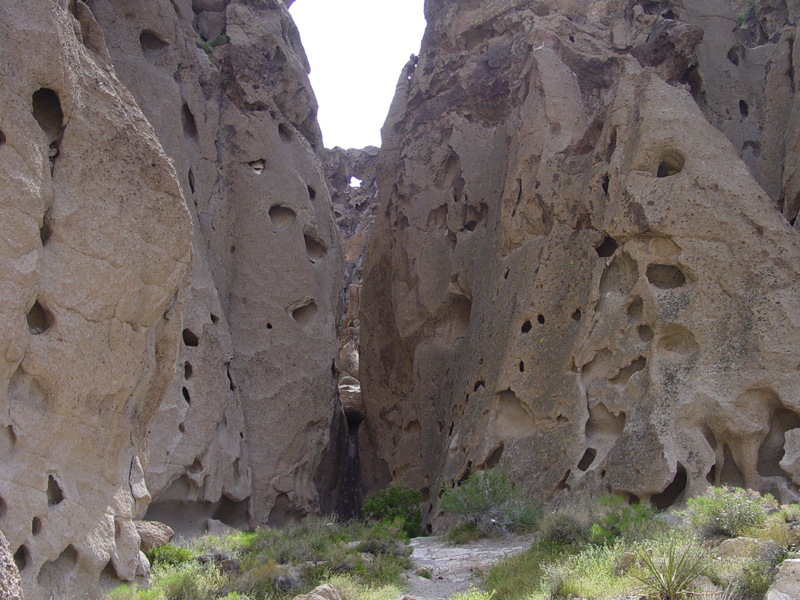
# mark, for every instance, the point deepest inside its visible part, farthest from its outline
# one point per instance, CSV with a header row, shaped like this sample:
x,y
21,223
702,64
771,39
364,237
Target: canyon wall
x,y
96,254
173,274
572,273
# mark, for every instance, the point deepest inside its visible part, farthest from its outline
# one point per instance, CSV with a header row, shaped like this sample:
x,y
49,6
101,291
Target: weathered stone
x,y
218,528
94,266
737,547
9,575
786,583
153,534
322,592
550,283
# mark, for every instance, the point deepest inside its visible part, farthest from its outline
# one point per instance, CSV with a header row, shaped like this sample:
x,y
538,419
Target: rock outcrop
x,y
94,259
572,274
247,418
9,575
165,361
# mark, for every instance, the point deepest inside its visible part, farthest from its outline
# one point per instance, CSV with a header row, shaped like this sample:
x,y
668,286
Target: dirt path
x,y
454,568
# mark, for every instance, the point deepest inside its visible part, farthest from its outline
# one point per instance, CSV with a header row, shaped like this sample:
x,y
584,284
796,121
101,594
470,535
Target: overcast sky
x,y
357,50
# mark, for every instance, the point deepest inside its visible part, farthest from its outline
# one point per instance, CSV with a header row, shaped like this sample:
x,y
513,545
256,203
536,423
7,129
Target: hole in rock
x,y
606,181
577,315
39,320
55,495
678,340
189,124
314,248
495,456
231,385
2,137
526,327
305,314
182,427
671,164
505,275
269,325
730,473
645,333
540,318
471,225
214,318
607,248
285,133
281,216
2,508
187,370
521,367
56,576
190,339
150,42
572,38
452,424
665,277
44,231
744,110
587,459
625,373
21,558
258,166
672,493
312,193
47,112
191,181
711,475
478,385
562,485
771,451
669,15
36,526
186,395
634,309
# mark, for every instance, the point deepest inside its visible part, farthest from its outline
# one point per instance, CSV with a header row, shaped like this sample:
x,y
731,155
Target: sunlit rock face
x,y
172,281
572,274
94,262
246,421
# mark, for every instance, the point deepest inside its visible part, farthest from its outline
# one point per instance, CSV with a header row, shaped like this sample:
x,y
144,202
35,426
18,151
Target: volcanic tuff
x,y
160,181
572,274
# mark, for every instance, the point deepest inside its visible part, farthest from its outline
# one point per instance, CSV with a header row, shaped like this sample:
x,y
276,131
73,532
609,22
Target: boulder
x,y
153,534
9,575
786,583
322,592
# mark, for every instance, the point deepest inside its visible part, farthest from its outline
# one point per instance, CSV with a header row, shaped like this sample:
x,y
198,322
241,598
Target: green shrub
x,y
474,593
727,511
617,518
489,501
220,40
671,576
463,533
397,503
168,554
564,528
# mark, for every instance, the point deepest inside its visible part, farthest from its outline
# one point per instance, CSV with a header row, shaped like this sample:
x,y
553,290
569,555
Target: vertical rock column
x,y
94,258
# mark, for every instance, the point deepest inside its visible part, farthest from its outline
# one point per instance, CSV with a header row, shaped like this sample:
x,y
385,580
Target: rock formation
x,y
9,575
96,253
572,274
164,361
246,420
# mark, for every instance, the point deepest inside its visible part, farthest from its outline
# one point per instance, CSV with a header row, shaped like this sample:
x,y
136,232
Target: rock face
x,y
9,575
95,259
162,361
572,274
247,417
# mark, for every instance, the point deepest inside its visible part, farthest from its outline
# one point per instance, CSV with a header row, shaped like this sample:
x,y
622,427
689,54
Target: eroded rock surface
x,y
94,260
572,274
247,417
9,575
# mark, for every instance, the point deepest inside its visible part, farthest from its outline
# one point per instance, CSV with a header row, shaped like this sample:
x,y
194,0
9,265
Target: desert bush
x,y
396,503
728,511
563,527
616,518
168,554
463,533
489,501
671,575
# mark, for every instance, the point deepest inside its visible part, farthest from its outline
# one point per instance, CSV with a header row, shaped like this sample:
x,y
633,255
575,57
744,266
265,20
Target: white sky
x,y
357,50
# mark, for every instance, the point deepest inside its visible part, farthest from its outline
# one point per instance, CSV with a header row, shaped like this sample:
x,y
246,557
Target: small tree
x,y
397,503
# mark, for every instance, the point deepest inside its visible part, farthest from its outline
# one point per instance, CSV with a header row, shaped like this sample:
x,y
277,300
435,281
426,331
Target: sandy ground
x,y
454,568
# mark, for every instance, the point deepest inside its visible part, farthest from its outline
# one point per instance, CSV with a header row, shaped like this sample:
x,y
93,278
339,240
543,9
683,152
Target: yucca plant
x,y
671,577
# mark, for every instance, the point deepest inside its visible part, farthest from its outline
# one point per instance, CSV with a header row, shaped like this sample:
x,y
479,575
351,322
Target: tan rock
x,y
218,528
94,265
322,592
786,583
561,278
9,575
153,534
